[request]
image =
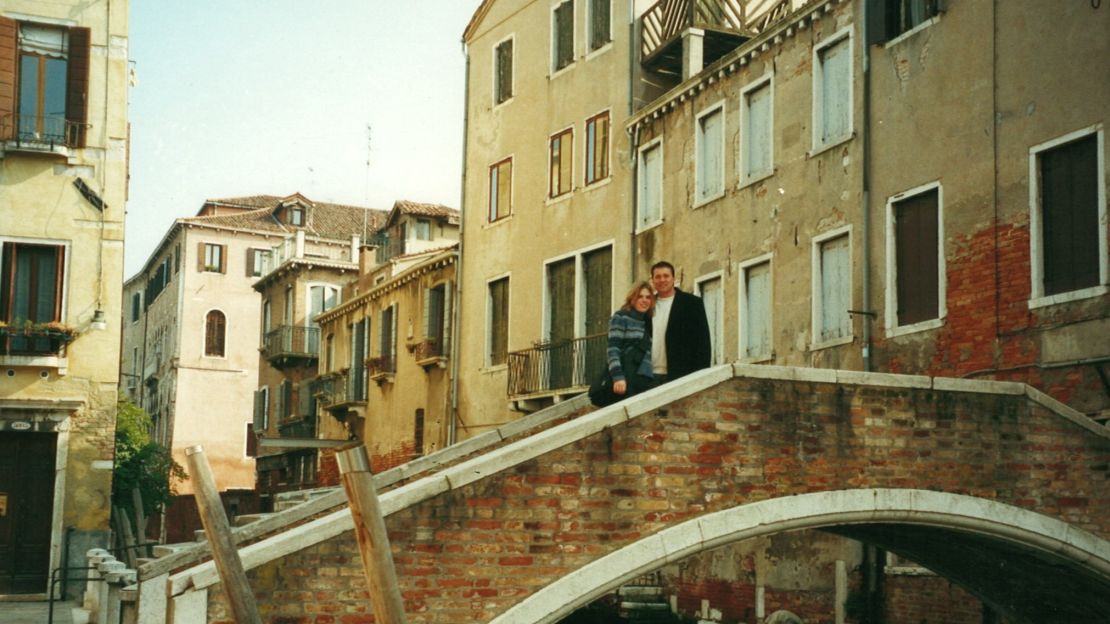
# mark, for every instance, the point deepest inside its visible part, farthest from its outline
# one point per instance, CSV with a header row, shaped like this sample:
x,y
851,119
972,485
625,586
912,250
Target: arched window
x,y
215,329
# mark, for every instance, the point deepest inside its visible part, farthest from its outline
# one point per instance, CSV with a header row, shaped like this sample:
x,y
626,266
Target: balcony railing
x,y
341,388
381,365
429,348
555,367
41,131
35,340
291,342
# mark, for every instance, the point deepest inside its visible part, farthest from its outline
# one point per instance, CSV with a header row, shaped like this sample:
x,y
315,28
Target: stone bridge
x,y
960,476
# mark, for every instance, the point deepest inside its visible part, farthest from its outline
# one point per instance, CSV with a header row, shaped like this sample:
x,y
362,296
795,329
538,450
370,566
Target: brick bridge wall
x,y
468,554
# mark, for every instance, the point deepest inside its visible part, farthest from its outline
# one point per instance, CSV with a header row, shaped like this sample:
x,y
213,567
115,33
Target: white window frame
x,y
699,140
1037,298
488,343
742,300
718,356
589,30
493,73
579,288
747,178
308,286
891,298
817,301
641,225
819,143
552,69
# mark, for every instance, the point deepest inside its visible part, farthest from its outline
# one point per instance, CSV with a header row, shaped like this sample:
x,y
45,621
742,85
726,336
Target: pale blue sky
x,y
253,97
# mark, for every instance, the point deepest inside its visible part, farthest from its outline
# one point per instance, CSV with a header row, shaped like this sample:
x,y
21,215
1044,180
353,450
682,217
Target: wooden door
x,y
26,510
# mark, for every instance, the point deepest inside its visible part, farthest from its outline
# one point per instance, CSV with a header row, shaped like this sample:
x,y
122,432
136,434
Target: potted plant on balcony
x,y
36,338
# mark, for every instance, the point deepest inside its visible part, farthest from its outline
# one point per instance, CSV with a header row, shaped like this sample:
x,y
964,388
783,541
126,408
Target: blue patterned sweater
x,y
628,328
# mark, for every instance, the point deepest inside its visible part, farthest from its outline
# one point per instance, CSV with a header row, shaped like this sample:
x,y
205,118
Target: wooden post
x,y
373,542
218,531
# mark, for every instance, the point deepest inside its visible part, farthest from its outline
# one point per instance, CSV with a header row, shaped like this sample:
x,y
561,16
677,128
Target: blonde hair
x,y
635,292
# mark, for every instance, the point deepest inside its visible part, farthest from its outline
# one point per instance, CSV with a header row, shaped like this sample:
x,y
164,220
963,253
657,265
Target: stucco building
x,y
192,328
911,187
63,186
385,370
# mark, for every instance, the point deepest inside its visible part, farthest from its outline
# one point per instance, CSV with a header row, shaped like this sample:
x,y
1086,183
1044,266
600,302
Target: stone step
x,y
249,518
162,550
639,591
289,500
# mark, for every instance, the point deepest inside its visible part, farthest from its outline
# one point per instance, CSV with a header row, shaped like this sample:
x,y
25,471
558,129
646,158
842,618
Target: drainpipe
x,y
634,138
456,312
868,313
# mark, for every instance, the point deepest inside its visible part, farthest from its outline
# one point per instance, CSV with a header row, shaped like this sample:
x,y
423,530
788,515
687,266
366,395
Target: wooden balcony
x,y
662,26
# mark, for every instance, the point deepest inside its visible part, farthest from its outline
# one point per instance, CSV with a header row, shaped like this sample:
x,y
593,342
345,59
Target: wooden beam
x,y
218,531
373,541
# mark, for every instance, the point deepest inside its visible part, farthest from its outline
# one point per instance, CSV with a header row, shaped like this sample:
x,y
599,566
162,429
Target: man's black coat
x,y
687,337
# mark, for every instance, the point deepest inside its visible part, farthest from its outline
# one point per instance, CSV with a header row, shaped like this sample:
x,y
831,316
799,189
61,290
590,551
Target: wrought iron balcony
x,y
341,389
556,367
37,339
41,132
291,345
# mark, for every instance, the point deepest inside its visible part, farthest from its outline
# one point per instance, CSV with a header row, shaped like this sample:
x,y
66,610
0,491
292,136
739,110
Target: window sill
x,y
592,54
438,361
758,359
911,32
36,361
598,183
491,224
755,178
698,203
503,103
559,199
819,149
555,73
1068,297
382,377
902,330
34,147
834,342
494,368
640,229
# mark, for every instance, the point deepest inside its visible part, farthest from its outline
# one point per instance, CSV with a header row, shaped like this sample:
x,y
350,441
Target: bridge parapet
x,y
474,539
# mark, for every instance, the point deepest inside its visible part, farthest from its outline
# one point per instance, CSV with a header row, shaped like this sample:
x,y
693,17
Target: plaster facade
x,y
58,388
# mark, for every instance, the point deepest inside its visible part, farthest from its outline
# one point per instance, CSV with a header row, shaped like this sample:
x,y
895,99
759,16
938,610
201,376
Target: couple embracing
x,y
659,334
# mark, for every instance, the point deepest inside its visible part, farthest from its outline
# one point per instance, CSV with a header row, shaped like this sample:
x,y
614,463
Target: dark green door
x,y
560,298
26,510
597,269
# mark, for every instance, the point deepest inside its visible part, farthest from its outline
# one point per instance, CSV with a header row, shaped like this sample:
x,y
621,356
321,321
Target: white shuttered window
x,y
649,207
710,143
756,123
832,115
755,311
832,292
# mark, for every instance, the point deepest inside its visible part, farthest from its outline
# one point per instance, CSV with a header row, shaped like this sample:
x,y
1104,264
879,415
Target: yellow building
x,y
63,185
385,351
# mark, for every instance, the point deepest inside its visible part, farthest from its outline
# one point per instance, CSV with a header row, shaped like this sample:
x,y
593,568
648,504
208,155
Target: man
x,y
680,332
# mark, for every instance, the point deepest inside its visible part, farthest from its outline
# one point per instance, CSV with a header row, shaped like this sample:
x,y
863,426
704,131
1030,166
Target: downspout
x,y
456,312
868,315
633,139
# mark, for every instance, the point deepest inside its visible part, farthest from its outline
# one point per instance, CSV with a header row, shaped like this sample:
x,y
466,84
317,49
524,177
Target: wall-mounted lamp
x,y
99,321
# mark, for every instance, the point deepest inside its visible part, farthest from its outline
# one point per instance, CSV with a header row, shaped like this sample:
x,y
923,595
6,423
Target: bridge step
x,y
289,500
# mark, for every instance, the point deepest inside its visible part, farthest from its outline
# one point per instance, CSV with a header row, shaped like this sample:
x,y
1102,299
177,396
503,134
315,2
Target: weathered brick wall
x,y
468,554
930,600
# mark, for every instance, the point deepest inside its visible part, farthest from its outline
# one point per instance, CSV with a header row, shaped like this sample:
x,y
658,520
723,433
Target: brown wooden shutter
x,y
77,85
250,262
8,55
59,280
200,257
223,258
916,245
1069,216
8,281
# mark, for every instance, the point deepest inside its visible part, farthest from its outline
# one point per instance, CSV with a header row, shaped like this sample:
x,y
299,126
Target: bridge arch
x,y
1046,537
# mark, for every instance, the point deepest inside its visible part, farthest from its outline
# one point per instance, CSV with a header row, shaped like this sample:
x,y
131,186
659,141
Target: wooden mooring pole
x,y
218,531
373,541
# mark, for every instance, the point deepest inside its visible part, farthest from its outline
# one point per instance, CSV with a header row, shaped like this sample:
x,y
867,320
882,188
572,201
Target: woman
x,y
629,349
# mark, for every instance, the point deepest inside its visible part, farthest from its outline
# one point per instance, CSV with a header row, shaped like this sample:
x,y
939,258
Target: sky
x,y
347,101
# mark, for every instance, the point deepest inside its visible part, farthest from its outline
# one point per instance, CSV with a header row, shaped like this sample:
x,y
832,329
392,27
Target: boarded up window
x,y
599,23
916,248
215,331
498,321
833,90
834,289
500,189
560,300
562,35
1069,215
649,205
756,315
503,71
562,151
756,132
597,148
711,296
710,154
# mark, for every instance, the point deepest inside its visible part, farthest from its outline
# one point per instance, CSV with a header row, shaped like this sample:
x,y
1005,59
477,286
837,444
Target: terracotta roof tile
x,y
325,220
